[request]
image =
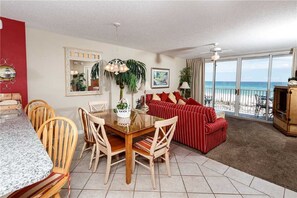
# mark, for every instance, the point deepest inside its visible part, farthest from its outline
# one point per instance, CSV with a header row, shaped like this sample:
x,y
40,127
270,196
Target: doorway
x,y
244,85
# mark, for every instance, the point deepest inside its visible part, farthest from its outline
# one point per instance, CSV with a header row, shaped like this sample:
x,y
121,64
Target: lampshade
x,y
215,57
185,85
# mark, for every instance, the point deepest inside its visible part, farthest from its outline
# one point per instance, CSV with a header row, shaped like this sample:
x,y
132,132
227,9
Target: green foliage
x,y
95,72
135,74
186,76
122,105
78,82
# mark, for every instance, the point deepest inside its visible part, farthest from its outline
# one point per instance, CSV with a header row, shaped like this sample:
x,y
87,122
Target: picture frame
x,y
160,78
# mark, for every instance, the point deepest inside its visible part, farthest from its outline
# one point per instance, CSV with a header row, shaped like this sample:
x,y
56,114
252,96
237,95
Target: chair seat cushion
x,y
39,188
145,144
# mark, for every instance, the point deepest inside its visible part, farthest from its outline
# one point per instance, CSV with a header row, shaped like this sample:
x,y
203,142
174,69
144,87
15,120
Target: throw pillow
x,y
156,97
164,96
177,95
181,102
191,101
169,100
172,98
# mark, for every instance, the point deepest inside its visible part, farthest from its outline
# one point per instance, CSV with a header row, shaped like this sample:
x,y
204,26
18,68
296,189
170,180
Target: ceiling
x,y
243,26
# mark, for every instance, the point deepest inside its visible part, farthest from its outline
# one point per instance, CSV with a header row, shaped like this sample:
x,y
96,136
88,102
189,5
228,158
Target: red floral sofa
x,y
197,126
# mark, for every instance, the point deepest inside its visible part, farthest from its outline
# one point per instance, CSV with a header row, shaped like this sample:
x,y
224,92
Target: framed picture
x,y
160,78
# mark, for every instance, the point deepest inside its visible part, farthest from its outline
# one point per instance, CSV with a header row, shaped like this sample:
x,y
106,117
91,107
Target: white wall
x,y
46,70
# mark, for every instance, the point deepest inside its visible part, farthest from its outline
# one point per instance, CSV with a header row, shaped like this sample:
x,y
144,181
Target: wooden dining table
x,y
136,125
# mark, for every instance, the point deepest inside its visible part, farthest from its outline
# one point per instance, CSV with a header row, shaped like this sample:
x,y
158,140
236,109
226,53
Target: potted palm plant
x,y
95,73
131,78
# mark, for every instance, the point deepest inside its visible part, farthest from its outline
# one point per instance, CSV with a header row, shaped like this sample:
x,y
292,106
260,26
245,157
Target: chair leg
x,y
97,158
167,163
92,155
153,173
83,149
133,161
108,165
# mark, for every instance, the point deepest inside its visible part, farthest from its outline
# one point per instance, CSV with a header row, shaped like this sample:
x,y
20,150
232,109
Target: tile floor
x,y
193,176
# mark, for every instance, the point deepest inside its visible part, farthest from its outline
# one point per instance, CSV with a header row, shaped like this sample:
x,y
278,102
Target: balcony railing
x,y
251,102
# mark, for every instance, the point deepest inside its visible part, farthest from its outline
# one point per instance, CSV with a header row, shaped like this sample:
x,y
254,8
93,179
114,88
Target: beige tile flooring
x,y
193,176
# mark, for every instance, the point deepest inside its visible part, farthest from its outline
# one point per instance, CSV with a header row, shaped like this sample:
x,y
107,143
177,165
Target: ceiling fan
x,y
215,50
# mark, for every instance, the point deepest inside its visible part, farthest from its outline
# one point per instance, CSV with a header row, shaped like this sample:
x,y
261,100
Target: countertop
x,y
23,159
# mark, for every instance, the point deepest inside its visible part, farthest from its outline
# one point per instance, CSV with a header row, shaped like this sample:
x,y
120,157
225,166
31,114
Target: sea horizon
x,y
244,85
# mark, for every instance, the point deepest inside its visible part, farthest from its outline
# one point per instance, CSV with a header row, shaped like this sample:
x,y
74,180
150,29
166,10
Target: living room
x,y
166,36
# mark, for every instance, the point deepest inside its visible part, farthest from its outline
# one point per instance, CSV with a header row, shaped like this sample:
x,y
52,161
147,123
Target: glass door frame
x,y
239,60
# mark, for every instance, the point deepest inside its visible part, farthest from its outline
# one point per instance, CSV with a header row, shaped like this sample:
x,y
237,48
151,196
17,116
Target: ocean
x,y
244,85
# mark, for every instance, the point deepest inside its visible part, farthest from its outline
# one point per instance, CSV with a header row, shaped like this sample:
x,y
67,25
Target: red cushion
x,y
191,101
38,188
177,95
148,98
145,144
164,96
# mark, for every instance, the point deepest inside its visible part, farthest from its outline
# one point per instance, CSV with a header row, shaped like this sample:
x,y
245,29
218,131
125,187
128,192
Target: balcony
x,y
252,103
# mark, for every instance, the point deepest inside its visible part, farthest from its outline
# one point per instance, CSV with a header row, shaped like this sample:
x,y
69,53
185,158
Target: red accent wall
x,y
13,49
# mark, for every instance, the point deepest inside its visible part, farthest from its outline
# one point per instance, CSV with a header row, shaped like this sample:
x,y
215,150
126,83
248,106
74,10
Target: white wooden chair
x,y
32,104
39,114
89,138
59,138
157,146
108,145
96,106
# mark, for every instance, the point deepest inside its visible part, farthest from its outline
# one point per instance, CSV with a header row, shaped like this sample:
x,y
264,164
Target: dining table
x,y
137,124
23,159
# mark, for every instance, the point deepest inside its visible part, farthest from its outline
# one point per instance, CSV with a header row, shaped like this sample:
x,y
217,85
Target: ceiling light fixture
x,y
215,57
116,65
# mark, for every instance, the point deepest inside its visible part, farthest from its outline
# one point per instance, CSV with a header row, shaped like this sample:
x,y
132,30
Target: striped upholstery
x,y
39,188
145,144
197,126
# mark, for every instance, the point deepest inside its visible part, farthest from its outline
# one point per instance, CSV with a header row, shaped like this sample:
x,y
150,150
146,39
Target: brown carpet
x,y
260,150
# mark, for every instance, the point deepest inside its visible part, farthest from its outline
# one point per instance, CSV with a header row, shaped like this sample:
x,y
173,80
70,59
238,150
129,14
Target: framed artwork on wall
x,y
160,78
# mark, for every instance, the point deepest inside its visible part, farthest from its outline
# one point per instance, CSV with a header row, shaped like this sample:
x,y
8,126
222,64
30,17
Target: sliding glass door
x,y
244,86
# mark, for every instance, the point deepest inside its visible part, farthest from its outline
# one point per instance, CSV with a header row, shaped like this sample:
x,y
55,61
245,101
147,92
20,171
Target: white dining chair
x,y
109,145
96,106
155,147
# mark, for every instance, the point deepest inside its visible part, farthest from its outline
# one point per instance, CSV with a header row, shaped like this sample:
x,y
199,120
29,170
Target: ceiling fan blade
x,y
178,50
226,50
205,53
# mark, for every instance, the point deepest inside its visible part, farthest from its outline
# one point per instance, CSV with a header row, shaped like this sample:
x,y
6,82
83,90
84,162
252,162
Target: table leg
x,y
128,145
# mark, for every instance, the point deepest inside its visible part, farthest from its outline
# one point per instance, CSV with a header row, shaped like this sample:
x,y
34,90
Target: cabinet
x,y
285,109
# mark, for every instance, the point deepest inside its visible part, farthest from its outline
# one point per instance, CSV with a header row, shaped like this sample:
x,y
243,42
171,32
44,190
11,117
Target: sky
x,y
253,70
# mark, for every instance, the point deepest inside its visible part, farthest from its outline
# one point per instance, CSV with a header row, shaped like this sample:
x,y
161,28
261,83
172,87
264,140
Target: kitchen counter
x,y
23,159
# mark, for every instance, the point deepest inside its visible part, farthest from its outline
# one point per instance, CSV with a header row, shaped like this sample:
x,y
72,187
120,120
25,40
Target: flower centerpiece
x,y
123,109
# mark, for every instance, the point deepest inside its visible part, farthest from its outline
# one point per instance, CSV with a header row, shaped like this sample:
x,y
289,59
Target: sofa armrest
x,y
220,123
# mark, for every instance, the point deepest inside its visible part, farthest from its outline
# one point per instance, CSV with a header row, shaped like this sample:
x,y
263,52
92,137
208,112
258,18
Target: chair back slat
x,y
98,106
39,114
61,140
85,123
99,133
65,143
50,143
32,104
59,136
166,135
56,144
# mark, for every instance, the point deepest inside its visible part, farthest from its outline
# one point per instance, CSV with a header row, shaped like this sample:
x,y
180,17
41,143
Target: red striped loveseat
x,y
197,126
